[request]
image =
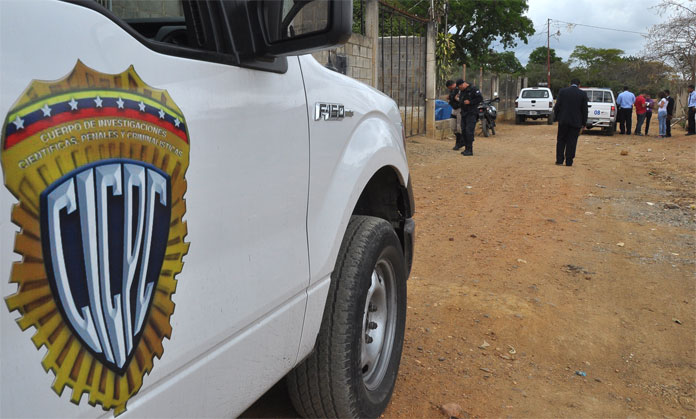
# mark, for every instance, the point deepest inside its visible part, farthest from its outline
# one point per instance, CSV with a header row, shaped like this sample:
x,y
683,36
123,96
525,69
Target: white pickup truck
x,y
601,109
534,103
194,210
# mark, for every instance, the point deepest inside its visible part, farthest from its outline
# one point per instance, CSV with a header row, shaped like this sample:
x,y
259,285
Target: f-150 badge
x,y
97,163
330,112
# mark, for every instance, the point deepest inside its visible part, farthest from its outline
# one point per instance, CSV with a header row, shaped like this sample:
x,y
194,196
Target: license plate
x,y
532,112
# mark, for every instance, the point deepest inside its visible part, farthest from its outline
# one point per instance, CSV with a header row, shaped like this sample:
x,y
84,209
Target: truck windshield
x,y
535,94
599,96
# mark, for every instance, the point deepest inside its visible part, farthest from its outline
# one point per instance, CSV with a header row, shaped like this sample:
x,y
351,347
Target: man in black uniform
x,y
453,100
670,113
571,113
469,99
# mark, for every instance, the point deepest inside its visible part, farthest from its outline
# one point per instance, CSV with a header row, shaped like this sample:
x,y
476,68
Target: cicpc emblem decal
x,y
97,163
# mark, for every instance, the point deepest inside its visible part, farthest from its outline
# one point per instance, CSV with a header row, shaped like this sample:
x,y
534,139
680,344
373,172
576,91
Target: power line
x,y
599,27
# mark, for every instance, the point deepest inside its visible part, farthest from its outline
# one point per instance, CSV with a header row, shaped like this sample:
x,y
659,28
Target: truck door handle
x,y
589,106
534,101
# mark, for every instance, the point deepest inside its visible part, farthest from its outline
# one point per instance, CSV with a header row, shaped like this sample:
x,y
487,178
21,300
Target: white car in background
x,y
601,109
534,103
193,209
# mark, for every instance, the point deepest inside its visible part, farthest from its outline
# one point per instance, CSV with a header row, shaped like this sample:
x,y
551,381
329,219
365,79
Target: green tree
x,y
537,67
561,74
640,75
477,24
502,62
538,56
596,66
588,57
608,68
443,55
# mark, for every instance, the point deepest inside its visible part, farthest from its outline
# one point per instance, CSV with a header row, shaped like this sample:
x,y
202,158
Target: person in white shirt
x,y
662,115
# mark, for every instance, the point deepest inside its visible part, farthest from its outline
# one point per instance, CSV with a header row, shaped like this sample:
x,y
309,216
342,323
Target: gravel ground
x,y
548,291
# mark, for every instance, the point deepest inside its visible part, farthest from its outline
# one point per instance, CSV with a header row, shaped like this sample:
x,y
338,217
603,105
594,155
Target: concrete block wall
x,y
404,66
359,54
130,9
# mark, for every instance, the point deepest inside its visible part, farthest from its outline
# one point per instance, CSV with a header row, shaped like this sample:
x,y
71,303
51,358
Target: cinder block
x,y
154,8
172,8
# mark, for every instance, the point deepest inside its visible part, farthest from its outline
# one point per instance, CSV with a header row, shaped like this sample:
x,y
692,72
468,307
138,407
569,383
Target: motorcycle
x,y
487,114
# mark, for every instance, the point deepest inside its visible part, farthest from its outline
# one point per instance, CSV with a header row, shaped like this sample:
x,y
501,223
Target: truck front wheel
x,y
353,368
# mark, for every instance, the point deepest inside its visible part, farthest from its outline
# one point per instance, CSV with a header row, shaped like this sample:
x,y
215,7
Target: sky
x,y
631,15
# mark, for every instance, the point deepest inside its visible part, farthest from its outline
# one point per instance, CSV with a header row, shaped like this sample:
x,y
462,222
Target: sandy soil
x,y
549,291
559,269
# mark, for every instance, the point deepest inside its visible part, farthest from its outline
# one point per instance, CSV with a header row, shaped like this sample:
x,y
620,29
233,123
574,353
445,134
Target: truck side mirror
x,y
293,27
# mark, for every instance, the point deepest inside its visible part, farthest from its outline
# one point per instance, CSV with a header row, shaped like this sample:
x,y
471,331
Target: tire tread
x,y
313,389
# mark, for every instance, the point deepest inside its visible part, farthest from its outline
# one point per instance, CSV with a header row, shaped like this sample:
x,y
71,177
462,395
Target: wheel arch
x,y
387,197
348,183
371,161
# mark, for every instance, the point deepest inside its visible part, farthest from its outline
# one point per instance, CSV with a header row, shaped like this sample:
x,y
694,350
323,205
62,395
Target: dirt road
x,y
550,291
526,272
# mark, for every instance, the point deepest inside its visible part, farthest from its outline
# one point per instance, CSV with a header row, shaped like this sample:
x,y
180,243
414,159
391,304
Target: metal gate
x,y
401,64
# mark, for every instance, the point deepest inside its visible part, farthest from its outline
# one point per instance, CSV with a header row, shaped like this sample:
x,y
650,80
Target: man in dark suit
x,y
571,113
670,113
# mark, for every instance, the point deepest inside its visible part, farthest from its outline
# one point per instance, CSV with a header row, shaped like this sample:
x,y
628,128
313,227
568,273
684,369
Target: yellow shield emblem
x,y
97,163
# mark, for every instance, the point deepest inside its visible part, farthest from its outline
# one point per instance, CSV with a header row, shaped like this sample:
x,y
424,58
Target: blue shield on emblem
x,y
104,230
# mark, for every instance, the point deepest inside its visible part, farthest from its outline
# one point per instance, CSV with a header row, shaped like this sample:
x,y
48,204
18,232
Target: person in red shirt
x,y
641,108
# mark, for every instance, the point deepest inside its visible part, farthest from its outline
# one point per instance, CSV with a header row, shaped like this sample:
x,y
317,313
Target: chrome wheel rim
x,y
379,324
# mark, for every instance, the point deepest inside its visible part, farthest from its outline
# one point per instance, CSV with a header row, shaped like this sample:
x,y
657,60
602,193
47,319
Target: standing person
x,y
625,102
649,105
662,115
641,109
469,98
670,112
453,100
691,127
571,113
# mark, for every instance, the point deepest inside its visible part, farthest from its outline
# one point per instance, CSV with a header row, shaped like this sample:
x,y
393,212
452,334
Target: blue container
x,y
442,110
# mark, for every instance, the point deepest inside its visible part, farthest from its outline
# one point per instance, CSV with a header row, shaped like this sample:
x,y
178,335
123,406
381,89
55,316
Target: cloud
x,y
630,15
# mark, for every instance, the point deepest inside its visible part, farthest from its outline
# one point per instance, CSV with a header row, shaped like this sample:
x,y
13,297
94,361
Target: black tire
x,y
484,127
611,130
332,381
493,128
549,120
518,119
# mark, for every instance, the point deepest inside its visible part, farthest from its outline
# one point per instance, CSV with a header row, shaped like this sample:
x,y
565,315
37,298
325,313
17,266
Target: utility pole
x,y
548,53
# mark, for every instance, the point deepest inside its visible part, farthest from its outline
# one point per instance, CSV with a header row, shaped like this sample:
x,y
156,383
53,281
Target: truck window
x,y
535,94
608,98
161,21
596,96
167,21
